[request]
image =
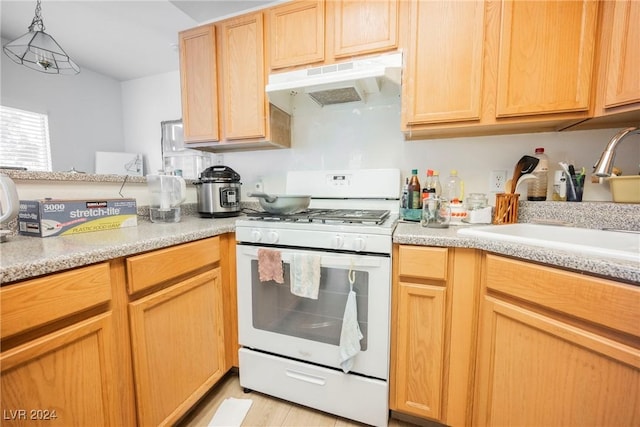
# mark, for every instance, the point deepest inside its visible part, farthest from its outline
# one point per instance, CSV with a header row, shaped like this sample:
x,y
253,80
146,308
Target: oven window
x,y
276,309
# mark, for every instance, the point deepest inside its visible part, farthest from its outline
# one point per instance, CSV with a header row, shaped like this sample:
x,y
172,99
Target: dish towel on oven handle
x,y
305,275
270,265
350,335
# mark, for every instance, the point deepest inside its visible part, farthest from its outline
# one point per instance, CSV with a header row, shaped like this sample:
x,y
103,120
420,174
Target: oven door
x,y
272,319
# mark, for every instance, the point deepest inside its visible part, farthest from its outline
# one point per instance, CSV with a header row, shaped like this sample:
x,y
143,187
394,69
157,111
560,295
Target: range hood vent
x,y
336,83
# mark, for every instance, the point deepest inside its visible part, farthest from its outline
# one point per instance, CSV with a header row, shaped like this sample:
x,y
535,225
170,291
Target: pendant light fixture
x,y
39,51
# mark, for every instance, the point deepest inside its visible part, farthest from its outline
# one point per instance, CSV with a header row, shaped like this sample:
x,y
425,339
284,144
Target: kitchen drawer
x,y
37,302
152,268
601,301
308,385
423,262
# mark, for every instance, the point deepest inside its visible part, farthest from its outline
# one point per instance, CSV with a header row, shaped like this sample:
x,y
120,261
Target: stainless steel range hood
x,y
336,83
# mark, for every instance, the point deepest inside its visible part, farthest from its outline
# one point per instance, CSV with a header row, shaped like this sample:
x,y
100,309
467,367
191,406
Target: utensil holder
x,y
506,211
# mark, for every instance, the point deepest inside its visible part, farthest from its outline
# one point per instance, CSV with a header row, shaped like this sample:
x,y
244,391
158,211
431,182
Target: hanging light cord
x,y
37,19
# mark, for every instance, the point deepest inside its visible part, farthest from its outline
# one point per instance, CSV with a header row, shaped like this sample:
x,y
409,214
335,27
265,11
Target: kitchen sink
x,y
619,245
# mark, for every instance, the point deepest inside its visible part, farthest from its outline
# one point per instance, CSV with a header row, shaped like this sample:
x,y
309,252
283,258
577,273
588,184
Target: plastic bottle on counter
x,y
436,183
559,187
428,189
414,200
455,188
537,187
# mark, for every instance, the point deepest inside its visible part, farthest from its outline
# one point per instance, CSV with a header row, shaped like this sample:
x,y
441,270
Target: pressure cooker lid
x,y
219,174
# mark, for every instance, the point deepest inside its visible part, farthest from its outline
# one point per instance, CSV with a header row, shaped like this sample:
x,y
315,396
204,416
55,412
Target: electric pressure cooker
x,y
218,192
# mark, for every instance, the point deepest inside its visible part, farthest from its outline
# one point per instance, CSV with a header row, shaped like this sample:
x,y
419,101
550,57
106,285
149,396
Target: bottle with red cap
x,y
537,186
429,188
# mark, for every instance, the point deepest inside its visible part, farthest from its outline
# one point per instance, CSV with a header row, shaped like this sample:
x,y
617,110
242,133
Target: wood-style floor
x,y
266,410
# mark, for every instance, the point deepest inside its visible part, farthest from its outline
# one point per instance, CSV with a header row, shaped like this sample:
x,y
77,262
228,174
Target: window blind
x,y
24,139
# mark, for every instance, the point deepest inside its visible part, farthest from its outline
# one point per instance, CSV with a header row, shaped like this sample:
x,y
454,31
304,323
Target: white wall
x,y
85,111
147,102
367,136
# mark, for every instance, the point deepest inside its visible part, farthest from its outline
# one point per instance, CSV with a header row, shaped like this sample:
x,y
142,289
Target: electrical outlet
x,y
218,159
497,180
258,187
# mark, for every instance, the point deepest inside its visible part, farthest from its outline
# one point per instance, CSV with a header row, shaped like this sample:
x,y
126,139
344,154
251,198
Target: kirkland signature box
x,y
52,217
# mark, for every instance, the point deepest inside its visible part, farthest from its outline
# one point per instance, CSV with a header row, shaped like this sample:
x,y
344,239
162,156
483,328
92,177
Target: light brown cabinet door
x,y
242,76
420,349
178,346
361,27
546,57
623,62
199,87
296,33
443,81
535,370
65,378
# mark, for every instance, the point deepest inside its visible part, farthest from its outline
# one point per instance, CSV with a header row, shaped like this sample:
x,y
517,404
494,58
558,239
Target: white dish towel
x,y
305,275
350,335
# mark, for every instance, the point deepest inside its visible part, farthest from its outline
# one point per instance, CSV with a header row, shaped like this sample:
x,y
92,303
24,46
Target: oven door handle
x,y
346,261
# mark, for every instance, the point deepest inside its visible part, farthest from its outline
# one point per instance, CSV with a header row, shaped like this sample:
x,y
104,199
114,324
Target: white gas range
x,y
311,284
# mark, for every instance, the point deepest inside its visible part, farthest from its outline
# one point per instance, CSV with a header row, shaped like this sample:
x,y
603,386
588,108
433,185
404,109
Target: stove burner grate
x,y
354,216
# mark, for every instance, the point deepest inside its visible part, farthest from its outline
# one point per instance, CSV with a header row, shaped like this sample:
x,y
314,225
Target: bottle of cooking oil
x,y
537,187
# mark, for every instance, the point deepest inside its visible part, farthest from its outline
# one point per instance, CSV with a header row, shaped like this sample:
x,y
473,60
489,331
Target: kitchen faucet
x,y
605,164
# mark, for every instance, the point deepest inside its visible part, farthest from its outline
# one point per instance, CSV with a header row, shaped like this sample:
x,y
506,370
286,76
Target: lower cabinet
x,y
487,340
556,348
434,307
60,360
132,341
177,345
177,328
62,379
421,322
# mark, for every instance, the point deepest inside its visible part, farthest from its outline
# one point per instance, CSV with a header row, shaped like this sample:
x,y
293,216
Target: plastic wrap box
x,y
51,217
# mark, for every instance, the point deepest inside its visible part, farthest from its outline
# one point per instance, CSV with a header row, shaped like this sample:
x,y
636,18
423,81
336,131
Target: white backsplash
x,y
368,136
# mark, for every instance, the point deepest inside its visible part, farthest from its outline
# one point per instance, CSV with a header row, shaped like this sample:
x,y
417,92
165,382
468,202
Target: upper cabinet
x,y
444,62
488,67
622,53
223,72
617,89
296,33
546,57
241,55
479,67
358,27
199,86
312,32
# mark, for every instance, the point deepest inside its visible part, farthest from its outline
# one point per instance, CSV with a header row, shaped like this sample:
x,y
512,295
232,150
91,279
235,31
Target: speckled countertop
x,y
23,257
414,234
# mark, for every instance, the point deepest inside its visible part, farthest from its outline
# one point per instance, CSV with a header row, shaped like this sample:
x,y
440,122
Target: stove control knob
x,y
273,237
256,236
359,244
337,241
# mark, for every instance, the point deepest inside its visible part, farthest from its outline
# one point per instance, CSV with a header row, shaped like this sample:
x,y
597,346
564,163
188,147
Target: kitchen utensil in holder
x,y
506,211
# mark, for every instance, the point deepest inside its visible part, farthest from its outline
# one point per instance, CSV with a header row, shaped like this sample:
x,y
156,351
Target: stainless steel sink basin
x,y
610,244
